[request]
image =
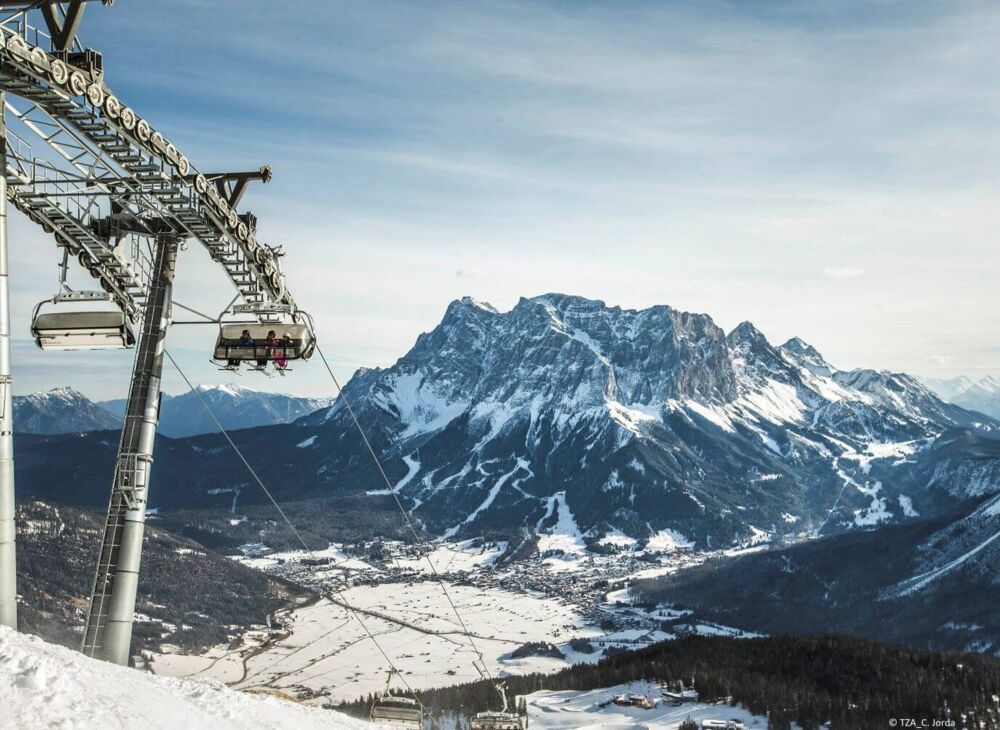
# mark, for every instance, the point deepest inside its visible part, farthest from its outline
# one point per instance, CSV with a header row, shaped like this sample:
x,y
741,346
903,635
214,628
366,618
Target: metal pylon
x,y
8,568
108,634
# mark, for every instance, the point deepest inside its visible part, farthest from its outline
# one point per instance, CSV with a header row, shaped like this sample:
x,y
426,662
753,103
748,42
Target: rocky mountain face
x,y
566,412
981,395
565,415
60,410
234,406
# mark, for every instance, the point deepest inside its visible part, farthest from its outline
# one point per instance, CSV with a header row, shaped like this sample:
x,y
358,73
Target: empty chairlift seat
x,y
491,720
82,330
231,344
398,711
502,720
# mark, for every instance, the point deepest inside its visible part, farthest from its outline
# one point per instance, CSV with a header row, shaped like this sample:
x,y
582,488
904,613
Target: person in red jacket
x,y
281,355
269,344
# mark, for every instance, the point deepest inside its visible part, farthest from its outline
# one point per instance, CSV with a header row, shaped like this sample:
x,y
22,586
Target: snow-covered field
x,y
320,652
570,710
47,686
327,654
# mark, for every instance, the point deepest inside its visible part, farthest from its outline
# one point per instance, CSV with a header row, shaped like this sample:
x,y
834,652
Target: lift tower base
x,y
108,634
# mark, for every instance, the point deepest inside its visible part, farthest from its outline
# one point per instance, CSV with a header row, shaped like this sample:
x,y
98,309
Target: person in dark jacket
x,y
245,340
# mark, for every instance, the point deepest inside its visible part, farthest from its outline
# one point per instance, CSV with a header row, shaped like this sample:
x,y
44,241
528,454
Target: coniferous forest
x,y
847,682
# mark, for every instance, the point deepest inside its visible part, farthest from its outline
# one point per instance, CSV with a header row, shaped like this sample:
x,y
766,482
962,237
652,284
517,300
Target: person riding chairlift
x,y
269,344
281,360
245,341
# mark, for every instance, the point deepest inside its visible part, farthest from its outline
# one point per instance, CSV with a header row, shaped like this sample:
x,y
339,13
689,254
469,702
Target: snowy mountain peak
x,y
60,410
65,391
798,346
230,389
805,355
472,302
746,332
642,420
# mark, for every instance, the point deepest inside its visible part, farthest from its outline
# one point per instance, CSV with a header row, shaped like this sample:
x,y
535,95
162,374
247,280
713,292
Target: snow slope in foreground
x,y
43,685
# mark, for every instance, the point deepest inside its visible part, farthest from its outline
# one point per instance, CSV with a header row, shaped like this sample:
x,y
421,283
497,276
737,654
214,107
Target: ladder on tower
x,y
129,490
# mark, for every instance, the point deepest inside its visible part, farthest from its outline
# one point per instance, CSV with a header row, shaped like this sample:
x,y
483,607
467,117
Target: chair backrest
x,y
86,330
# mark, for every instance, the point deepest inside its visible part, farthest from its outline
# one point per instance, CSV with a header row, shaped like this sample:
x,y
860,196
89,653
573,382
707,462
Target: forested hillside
x,y
849,683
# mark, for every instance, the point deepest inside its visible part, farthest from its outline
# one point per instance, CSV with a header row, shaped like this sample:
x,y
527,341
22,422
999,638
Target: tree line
x,y
844,681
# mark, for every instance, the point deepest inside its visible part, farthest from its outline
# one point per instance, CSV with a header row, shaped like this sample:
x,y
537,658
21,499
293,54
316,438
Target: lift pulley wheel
x,y
128,118
112,107
95,95
58,72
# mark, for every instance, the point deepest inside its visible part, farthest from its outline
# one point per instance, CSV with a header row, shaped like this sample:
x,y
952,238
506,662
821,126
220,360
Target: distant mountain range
x,y
60,410
981,395
567,415
64,410
234,406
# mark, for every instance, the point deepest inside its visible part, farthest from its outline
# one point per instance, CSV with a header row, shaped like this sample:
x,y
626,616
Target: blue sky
x,y
827,170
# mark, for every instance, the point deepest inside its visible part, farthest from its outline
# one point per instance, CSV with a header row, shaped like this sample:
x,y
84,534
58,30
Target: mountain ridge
x,y
235,406
981,395
633,377
565,415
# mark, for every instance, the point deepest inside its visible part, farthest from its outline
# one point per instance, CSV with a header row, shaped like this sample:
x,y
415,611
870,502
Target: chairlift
x,y
260,344
397,710
503,719
492,720
70,326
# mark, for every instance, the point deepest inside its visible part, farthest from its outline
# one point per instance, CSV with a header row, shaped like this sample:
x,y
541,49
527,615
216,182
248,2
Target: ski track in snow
x,y
919,582
521,464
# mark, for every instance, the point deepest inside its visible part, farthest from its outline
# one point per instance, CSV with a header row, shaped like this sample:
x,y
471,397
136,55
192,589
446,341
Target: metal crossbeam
x,y
85,124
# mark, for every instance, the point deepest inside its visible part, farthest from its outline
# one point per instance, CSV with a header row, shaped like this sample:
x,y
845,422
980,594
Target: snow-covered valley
x,y
43,685
320,652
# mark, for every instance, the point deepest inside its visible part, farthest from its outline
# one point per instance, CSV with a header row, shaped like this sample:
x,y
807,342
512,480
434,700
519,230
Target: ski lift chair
x,y
493,720
397,710
69,327
503,719
228,349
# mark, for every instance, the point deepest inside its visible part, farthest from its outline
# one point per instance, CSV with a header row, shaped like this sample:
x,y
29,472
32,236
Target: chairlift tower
x,y
122,201
8,567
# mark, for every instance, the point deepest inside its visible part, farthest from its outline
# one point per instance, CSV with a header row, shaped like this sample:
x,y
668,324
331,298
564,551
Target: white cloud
x,y
638,153
843,272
